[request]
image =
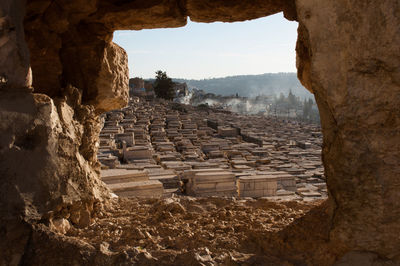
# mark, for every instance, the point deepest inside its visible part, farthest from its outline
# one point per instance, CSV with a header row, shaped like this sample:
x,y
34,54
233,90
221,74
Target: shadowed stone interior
x,y
348,55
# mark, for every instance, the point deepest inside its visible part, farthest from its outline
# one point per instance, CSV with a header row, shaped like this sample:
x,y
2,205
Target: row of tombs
x,y
159,148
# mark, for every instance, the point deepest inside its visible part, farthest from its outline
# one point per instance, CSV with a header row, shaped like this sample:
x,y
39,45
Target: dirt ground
x,y
203,231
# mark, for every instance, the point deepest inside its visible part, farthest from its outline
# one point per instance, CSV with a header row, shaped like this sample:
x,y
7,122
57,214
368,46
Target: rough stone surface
x,y
353,69
237,10
48,166
60,225
137,15
14,55
187,231
102,69
348,55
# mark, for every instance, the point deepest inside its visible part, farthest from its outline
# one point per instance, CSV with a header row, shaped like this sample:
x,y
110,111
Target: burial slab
x,y
112,176
143,189
203,183
258,186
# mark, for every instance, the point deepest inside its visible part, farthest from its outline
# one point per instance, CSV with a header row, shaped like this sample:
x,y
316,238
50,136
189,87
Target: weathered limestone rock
x,y
48,166
70,43
102,72
14,55
349,57
236,10
137,15
60,225
42,166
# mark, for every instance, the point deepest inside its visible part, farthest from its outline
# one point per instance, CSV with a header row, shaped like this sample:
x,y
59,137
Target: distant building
x,y
181,89
149,88
141,88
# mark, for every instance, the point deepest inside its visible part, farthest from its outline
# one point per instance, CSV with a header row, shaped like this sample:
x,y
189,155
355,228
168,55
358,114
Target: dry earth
x,y
192,231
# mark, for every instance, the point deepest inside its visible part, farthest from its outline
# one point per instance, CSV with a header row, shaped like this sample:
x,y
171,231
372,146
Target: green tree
x,y
164,86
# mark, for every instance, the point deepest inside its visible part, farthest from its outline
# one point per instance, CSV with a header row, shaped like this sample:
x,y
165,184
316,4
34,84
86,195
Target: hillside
x,y
251,85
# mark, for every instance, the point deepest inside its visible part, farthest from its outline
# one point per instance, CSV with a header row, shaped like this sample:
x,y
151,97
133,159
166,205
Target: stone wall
x,y
347,54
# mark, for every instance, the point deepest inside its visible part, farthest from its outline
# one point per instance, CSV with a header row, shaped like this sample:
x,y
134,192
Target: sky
x,y
208,50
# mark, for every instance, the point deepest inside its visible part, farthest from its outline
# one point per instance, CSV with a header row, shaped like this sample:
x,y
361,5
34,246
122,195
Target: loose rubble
x,y
191,231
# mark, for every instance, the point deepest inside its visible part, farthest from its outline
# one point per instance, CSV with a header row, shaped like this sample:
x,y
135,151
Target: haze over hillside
x,y
251,85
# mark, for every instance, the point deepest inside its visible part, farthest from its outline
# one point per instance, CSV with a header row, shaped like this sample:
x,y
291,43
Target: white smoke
x,y
242,105
185,99
246,106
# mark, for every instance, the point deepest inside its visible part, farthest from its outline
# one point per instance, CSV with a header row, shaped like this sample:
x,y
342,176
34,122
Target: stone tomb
x,y
285,180
112,176
227,131
257,186
143,189
127,137
132,183
108,160
137,153
210,182
168,178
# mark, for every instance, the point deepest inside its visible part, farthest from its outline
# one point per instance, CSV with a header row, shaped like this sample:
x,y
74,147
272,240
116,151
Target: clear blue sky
x,y
207,50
